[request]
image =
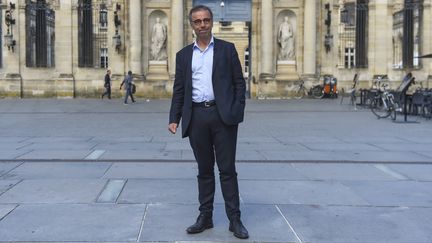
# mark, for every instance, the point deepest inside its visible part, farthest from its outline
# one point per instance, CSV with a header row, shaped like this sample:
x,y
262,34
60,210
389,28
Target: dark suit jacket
x,y
228,85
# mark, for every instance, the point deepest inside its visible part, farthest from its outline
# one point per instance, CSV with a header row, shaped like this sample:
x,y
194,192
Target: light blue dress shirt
x,y
202,69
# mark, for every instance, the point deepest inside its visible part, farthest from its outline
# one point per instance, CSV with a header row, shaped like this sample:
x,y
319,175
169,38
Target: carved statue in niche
x,y
286,40
158,39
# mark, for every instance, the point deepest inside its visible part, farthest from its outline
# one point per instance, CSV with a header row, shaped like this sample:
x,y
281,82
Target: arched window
x,y
92,34
40,34
353,34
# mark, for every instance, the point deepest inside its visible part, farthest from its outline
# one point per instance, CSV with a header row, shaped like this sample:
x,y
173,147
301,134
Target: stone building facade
x,y
61,48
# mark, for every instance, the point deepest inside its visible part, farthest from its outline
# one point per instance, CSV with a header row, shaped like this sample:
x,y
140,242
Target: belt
x,y
204,104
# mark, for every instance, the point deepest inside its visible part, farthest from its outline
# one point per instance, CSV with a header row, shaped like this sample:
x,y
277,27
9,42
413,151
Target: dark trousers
x,y
128,93
107,92
211,140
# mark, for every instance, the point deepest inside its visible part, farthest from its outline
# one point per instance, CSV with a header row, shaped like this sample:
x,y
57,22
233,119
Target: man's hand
x,y
172,127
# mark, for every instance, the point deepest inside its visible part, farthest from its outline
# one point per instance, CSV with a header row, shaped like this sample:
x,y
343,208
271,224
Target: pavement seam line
x,y
2,176
14,185
107,169
9,212
142,223
390,172
424,156
289,225
23,154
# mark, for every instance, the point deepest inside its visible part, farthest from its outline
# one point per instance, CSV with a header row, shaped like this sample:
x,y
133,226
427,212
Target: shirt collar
x,y
195,45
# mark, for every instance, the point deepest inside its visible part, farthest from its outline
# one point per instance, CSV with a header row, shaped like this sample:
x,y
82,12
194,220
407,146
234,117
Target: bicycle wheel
x,y
317,92
299,93
379,108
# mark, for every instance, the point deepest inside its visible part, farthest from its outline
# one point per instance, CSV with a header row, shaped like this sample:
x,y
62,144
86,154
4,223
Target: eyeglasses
x,y
200,21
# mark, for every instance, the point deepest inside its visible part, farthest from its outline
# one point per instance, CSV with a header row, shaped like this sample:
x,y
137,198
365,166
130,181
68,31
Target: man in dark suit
x,y
209,98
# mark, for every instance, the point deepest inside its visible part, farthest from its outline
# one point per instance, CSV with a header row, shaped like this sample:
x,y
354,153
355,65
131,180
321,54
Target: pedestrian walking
x,y
210,102
128,83
107,84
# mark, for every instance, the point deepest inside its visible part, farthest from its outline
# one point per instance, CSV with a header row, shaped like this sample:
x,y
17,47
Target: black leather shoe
x,y
203,222
238,229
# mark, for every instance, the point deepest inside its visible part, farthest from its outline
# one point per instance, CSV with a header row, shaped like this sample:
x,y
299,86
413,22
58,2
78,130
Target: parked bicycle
x,y
383,104
316,91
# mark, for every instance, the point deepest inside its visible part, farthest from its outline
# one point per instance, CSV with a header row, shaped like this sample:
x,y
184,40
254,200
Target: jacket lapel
x,y
216,53
188,64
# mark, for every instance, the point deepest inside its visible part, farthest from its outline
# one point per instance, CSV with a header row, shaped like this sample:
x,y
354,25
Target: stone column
x,y
176,38
266,38
11,82
64,26
380,46
309,51
135,28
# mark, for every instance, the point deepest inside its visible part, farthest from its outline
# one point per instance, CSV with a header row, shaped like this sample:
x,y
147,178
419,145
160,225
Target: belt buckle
x,y
206,104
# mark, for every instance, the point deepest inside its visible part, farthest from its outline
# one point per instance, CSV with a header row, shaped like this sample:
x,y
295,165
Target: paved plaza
x,y
88,170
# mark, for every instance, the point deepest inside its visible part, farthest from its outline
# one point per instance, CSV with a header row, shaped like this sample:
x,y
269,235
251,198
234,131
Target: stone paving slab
x,y
5,209
168,223
7,166
141,146
273,130
55,154
421,147
152,171
418,172
248,155
373,139
163,191
11,155
339,171
345,156
54,191
268,171
6,185
245,137
4,146
341,147
396,193
169,138
131,139
425,154
187,155
180,145
58,170
303,138
10,139
273,146
298,192
419,138
61,145
73,222
58,139
141,155
383,156
330,224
